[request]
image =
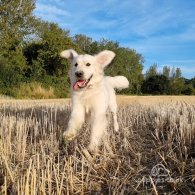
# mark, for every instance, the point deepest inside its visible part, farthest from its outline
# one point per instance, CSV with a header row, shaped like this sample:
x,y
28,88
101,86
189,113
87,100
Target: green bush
x,y
157,85
188,90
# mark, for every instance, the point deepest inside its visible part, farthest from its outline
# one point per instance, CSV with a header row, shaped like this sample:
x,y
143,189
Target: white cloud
x,y
50,10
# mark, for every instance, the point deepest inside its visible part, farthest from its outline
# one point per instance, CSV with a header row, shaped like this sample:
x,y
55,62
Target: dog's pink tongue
x,y
76,85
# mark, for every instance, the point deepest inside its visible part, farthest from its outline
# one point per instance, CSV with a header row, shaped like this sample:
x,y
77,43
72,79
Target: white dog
x,y
92,93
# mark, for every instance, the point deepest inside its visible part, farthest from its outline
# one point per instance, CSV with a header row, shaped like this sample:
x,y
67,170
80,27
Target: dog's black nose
x,y
79,73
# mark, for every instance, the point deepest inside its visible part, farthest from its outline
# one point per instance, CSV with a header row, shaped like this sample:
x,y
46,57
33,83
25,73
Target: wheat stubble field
x,y
154,131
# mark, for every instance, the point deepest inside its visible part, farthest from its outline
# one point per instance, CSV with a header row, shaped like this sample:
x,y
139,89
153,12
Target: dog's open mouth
x,y
81,83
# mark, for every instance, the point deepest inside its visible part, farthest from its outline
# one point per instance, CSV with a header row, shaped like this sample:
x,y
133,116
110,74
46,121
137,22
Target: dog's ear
x,y
69,54
105,57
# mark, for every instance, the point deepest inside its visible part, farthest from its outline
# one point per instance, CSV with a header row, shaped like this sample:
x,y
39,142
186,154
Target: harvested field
x,y
151,100
153,153
121,99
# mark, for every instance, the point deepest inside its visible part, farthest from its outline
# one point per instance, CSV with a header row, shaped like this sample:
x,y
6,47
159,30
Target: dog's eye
x,y
76,65
88,64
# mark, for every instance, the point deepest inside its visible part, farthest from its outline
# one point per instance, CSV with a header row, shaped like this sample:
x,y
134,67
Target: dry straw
x,y
34,159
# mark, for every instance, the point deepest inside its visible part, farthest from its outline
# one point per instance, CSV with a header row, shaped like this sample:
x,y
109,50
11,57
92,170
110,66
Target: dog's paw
x,y
93,148
67,135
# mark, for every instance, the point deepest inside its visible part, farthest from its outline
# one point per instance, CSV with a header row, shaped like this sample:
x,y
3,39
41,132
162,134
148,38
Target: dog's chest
x,y
89,104
87,110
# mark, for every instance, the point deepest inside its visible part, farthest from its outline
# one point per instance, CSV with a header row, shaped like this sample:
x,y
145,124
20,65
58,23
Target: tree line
x,y
29,58
169,81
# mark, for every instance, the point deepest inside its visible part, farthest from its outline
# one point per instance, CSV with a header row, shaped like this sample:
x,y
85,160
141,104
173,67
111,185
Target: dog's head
x,y
87,70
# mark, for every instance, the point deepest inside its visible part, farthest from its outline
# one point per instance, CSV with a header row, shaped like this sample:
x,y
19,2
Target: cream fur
x,y
96,98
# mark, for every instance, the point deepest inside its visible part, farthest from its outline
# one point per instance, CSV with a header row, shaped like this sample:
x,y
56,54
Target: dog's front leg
x,y
99,125
76,120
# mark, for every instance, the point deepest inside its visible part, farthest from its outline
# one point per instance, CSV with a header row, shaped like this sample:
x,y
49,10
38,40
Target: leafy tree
x,y
128,63
157,84
177,83
16,22
188,90
43,53
175,73
192,81
12,71
87,45
35,68
176,86
152,71
178,73
94,48
54,40
166,71
107,44
84,42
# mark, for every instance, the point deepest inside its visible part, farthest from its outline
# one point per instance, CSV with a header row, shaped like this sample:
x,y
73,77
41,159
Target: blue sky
x,y
163,31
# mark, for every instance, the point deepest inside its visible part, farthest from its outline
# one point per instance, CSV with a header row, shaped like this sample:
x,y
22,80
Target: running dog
x,y
92,93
